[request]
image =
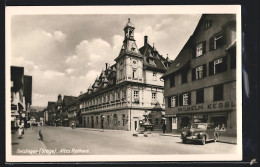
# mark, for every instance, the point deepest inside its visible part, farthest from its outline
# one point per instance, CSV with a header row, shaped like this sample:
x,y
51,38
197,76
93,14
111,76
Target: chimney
x,y
145,40
106,65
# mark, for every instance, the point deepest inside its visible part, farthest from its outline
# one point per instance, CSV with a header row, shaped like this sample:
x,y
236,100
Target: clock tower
x,y
130,60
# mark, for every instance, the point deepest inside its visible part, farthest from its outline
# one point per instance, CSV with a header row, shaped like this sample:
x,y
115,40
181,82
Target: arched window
x,y
115,119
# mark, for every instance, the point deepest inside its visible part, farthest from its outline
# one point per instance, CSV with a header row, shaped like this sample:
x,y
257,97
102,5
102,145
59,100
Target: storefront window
x,y
219,122
184,122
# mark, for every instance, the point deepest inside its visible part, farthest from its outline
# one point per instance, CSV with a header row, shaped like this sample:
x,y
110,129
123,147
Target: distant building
x,y
21,96
65,114
129,91
200,85
50,115
74,114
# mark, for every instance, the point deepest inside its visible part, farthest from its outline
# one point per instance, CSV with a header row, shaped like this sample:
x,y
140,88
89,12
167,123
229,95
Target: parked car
x,y
200,132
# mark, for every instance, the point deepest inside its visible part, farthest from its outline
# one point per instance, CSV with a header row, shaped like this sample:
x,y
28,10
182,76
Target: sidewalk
x,y
28,140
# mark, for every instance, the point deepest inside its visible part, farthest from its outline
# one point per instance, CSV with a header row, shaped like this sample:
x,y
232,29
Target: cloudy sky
x,y
65,53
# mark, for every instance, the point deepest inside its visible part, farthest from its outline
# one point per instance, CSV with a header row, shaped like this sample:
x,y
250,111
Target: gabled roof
x,y
68,99
147,51
183,58
185,55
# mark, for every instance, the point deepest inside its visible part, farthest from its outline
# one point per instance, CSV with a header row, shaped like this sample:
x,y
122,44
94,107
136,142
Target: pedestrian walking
x,y
164,127
40,137
20,130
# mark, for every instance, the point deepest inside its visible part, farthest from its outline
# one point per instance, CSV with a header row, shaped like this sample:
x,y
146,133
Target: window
x,y
184,99
153,97
184,74
118,95
218,92
218,66
217,40
174,101
219,122
87,120
96,120
123,95
185,122
199,72
200,96
113,96
172,80
108,98
136,94
154,76
134,73
199,50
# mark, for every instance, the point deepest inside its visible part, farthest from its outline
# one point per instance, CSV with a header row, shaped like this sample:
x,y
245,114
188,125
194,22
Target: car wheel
x,y
215,138
203,140
184,141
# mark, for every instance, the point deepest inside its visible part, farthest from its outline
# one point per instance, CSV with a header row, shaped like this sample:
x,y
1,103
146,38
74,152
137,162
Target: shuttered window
x,y
199,72
218,40
199,49
218,66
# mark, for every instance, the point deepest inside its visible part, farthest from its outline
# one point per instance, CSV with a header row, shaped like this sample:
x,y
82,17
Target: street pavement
x,y
84,141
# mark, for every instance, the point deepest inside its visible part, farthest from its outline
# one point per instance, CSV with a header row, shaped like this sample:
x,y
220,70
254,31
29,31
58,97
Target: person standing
x,y
20,130
164,127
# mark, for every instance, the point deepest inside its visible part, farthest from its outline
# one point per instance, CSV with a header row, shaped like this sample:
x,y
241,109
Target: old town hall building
x,y
128,91
200,85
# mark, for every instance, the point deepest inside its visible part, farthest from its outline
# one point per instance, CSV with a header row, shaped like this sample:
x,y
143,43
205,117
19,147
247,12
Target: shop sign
x,y
223,105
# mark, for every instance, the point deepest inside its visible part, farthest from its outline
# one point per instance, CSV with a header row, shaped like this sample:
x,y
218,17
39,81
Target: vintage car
x,y
201,132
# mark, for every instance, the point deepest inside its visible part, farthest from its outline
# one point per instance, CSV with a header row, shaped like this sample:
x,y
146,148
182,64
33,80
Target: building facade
x,y
74,115
128,91
21,97
50,116
200,85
